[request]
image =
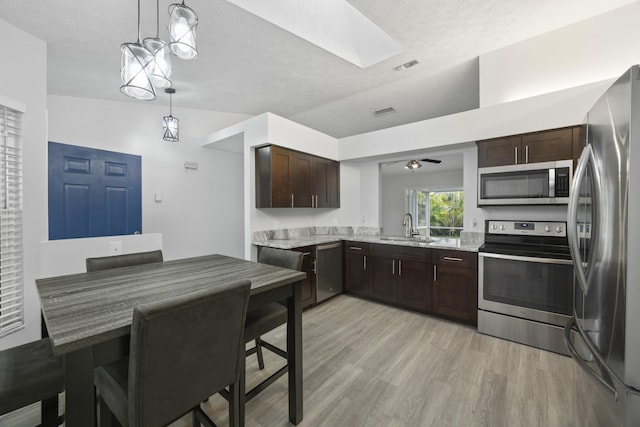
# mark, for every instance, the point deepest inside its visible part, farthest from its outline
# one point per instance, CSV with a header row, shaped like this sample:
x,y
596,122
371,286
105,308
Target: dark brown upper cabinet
x,y
292,179
534,147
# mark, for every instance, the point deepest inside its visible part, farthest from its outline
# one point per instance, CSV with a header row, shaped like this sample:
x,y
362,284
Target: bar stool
x,y
126,260
30,373
266,318
183,350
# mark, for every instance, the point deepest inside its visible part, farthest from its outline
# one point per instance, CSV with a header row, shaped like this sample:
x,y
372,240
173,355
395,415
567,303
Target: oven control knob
x,y
559,229
494,227
547,228
503,227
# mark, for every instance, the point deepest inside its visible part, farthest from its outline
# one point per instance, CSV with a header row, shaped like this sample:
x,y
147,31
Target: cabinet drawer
x,y
400,252
360,248
460,259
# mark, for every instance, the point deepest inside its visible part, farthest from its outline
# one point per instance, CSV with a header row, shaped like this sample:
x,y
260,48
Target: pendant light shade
x,y
170,124
135,65
160,69
182,31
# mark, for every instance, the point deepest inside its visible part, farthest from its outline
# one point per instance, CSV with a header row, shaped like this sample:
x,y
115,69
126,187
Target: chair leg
x,y
259,353
107,419
234,405
49,412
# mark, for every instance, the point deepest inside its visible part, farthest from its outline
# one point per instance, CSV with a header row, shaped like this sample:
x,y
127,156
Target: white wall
x,y
596,49
200,209
23,78
393,194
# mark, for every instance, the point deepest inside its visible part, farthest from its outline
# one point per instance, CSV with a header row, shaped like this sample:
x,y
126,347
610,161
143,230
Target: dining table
x,y
88,317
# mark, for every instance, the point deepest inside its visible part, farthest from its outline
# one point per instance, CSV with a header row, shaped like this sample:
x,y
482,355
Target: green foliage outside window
x,y
445,212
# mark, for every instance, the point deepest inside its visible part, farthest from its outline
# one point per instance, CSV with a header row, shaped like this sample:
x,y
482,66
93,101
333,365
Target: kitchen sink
x,y
406,239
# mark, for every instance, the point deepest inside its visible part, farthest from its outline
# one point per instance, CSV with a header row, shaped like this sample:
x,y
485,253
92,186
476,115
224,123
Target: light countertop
x,y
436,243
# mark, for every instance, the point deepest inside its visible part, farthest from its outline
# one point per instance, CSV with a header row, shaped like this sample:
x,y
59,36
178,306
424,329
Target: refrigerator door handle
x,y
572,217
571,326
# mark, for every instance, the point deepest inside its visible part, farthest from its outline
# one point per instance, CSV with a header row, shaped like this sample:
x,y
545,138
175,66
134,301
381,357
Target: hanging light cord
x,y
170,105
138,21
157,18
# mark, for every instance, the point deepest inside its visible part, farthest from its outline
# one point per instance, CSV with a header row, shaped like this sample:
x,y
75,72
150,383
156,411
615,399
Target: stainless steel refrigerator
x,y
604,236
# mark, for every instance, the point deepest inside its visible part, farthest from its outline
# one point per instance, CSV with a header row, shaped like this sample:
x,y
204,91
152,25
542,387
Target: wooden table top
x,y
84,309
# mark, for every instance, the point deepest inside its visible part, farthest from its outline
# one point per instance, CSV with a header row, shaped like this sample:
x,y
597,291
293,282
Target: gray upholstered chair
x,y
30,373
126,260
182,351
266,318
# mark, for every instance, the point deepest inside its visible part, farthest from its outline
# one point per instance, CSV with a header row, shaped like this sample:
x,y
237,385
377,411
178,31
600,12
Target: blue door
x,y
93,192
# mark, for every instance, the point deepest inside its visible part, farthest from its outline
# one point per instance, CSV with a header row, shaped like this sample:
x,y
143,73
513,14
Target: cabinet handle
x,y
393,266
364,262
450,258
526,154
316,200
291,199
435,273
355,248
515,156
306,253
314,266
400,268
312,201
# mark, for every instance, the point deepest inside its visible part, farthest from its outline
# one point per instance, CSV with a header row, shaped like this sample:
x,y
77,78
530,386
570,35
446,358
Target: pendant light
x,y
134,69
182,31
160,69
170,124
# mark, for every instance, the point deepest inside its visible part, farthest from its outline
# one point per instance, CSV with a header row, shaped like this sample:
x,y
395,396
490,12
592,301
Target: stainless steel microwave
x,y
546,183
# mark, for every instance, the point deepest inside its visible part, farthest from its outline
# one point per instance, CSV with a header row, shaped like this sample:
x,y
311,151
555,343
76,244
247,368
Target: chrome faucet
x,y
407,222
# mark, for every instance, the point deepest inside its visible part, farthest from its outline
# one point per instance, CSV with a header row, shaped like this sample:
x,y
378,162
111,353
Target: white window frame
x,y
11,262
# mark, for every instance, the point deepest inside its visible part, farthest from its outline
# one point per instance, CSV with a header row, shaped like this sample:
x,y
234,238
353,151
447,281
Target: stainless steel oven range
x,y
525,282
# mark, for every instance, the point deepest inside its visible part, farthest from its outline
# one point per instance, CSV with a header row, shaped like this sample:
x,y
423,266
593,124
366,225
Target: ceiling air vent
x,y
384,111
406,65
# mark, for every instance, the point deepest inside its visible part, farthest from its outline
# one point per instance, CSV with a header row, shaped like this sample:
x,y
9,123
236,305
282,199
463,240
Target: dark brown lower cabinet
x,y
455,285
356,268
435,281
414,285
308,266
400,275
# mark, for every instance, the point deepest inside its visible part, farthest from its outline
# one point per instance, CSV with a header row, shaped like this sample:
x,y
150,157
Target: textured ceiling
x,y
247,65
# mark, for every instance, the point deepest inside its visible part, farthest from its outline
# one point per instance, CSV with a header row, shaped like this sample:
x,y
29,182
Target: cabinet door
x,y
301,179
547,146
455,293
499,151
383,279
326,183
356,274
414,285
308,288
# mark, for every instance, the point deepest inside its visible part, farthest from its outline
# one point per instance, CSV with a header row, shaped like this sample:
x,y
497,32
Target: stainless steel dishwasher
x,y
328,270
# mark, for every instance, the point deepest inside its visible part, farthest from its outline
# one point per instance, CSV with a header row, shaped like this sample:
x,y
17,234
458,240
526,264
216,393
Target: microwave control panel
x,y
562,182
529,228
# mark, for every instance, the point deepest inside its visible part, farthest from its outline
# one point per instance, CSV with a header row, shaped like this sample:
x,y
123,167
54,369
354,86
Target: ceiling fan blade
x,y
431,160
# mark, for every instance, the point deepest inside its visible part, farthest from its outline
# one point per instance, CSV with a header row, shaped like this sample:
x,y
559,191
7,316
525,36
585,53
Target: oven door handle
x,y
527,258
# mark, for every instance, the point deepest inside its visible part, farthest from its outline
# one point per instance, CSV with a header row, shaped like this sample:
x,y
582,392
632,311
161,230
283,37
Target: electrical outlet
x,y
115,248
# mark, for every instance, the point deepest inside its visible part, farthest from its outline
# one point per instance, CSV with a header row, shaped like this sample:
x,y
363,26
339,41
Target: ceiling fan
x,y
414,164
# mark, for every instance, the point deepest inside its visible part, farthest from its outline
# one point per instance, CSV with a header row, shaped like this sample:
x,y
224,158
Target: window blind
x,y
11,278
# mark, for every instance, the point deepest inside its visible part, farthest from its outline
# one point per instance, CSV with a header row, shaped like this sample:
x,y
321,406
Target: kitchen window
x,y
437,213
11,283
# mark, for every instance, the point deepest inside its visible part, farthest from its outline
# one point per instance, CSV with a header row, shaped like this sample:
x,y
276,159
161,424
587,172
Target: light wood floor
x,y
367,364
